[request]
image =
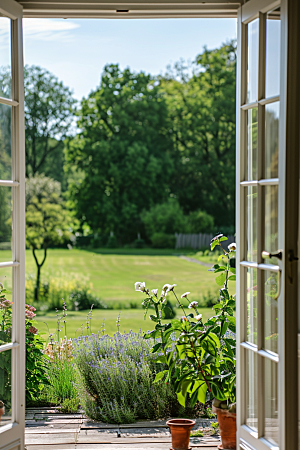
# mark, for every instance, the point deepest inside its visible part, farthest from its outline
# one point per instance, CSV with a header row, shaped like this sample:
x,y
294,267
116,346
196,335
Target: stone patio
x,y
48,429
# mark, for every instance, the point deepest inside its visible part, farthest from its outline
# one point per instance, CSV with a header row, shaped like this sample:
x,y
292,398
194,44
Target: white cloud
x,y
49,29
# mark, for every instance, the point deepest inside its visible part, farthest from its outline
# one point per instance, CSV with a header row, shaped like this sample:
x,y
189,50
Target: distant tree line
x,y
141,155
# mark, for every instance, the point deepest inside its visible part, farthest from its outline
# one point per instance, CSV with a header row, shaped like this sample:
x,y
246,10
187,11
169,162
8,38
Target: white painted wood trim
x,y
8,101
9,264
11,9
9,183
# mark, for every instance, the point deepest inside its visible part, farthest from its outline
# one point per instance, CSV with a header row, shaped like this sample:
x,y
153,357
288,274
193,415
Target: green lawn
x,y
113,274
130,319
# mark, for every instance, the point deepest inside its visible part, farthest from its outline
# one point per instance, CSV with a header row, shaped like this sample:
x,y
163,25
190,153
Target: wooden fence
x,y
197,241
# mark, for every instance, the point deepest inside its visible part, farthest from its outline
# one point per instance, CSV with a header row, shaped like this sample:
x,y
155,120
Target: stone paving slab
x,y
48,429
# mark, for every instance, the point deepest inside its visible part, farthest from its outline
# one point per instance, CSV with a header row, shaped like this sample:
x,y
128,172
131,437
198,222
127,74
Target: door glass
x,y
5,305
5,142
5,58
252,305
252,144
5,223
5,386
271,139
271,401
251,389
252,62
271,220
251,202
271,311
272,53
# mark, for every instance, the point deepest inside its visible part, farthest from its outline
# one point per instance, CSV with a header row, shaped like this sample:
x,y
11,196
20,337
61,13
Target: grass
x,y
130,320
113,273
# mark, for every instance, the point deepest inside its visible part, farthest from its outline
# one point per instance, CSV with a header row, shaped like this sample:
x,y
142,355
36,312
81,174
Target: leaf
x,y
223,238
220,280
213,244
154,318
232,278
232,269
155,348
181,398
160,376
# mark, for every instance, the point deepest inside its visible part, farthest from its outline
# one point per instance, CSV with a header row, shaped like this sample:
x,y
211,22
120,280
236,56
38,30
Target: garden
x,y
176,369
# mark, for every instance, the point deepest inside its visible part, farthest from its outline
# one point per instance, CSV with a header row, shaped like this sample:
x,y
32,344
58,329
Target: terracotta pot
x,y
227,427
2,411
180,431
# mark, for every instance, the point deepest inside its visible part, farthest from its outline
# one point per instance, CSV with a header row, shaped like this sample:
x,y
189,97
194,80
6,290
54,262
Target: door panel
x,y
12,232
267,220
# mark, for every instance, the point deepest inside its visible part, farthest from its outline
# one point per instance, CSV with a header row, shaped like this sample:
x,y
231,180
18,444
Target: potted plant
x,y
2,409
197,358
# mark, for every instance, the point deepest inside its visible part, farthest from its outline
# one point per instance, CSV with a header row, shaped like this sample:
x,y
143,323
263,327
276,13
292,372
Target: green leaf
x,y
154,318
181,398
155,348
232,269
223,238
214,243
220,280
232,278
160,376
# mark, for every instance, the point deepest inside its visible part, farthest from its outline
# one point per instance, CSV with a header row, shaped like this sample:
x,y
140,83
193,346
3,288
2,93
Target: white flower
x,y
183,319
185,294
140,286
193,305
199,317
166,288
232,247
154,291
172,287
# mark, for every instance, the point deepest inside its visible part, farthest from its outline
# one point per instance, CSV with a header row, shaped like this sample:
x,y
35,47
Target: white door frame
x,y
12,434
289,139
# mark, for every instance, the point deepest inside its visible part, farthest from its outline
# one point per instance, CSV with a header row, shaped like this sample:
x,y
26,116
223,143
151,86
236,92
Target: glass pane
x,y
251,202
5,142
271,139
251,390
5,305
273,53
271,220
5,58
252,62
251,305
271,311
252,144
5,224
5,387
271,401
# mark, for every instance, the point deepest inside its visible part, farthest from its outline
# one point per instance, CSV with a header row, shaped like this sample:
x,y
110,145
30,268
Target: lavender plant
x,y
117,374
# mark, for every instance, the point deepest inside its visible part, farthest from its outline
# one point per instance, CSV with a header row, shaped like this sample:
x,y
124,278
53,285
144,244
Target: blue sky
x,y
76,50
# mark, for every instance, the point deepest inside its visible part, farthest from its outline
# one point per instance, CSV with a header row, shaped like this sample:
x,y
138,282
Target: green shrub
x,y
162,240
112,242
117,375
62,382
70,405
167,218
82,298
200,222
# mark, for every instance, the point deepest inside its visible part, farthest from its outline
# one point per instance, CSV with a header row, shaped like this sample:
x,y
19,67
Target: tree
x,y
202,120
47,221
49,115
121,160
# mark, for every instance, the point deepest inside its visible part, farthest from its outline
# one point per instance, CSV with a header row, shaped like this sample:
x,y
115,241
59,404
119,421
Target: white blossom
x,y
193,305
154,291
166,288
232,247
140,286
185,294
199,317
183,319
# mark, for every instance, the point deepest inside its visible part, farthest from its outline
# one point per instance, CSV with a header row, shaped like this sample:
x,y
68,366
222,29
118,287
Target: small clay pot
x,y
180,431
2,409
227,427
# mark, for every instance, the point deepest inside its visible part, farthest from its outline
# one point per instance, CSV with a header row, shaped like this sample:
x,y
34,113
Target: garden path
x,y
48,429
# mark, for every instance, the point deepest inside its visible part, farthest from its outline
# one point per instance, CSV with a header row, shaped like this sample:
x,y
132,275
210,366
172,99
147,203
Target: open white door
x,y
12,213
267,203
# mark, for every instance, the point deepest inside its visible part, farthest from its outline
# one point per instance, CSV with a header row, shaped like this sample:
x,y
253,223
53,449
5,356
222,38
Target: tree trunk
x,y
38,275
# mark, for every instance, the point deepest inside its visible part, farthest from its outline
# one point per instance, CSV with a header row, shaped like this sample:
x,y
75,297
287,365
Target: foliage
x,y
120,163
118,374
47,221
49,113
36,363
167,218
163,240
62,384
203,360
201,112
73,288
200,222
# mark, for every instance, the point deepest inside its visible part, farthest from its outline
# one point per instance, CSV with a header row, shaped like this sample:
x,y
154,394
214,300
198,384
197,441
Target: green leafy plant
x,y
201,362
